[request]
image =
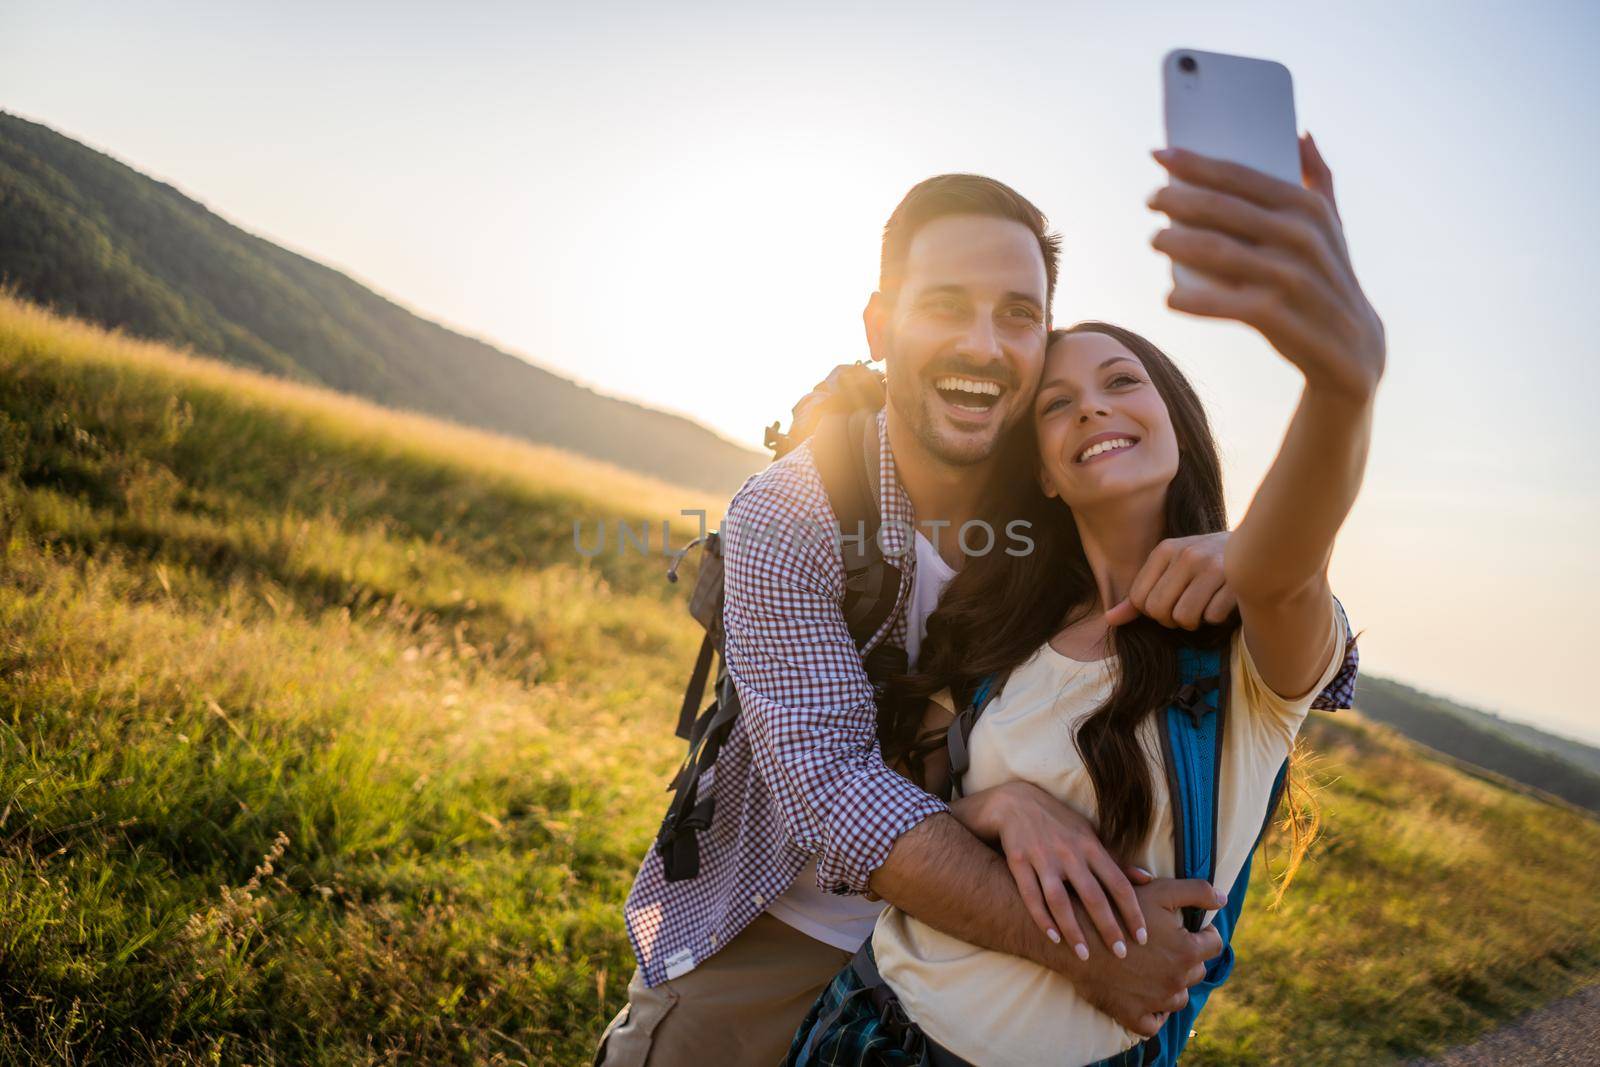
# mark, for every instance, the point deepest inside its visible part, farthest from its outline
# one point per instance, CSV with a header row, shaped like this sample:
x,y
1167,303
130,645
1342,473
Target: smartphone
x,y
1233,108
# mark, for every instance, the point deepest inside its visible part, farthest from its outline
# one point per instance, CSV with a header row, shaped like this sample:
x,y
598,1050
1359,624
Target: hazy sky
x,y
681,203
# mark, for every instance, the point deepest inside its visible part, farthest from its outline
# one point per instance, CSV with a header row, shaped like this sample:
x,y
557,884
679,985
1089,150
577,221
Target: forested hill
x,y
1556,765
98,240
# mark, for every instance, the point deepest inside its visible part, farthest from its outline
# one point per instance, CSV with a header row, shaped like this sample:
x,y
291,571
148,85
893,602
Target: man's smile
x,y
969,395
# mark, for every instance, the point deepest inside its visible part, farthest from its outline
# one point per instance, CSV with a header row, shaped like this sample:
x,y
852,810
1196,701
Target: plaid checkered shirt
x,y
800,774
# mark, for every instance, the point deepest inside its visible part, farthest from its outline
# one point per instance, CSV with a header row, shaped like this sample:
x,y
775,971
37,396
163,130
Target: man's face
x,y
963,336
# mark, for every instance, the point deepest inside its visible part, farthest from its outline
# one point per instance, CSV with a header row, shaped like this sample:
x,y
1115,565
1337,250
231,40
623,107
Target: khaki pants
x,y
741,1006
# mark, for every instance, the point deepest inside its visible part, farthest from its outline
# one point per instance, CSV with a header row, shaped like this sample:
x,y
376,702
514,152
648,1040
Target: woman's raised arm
x,y
1278,256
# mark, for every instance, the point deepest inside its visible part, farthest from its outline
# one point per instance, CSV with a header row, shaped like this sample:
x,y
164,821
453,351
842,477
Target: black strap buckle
x,y
677,840
1191,698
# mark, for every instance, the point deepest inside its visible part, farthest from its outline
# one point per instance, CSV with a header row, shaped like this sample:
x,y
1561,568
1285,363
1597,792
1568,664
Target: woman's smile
x,y
1104,444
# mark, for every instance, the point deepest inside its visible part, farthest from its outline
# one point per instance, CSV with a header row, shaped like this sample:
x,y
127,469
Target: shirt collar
x,y
899,520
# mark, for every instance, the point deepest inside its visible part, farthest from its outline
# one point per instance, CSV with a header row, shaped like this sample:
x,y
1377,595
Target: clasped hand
x,y
1136,969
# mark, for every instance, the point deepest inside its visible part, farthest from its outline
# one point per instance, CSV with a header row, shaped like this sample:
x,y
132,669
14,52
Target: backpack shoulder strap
x,y
1167,1046
1191,748
846,451
958,738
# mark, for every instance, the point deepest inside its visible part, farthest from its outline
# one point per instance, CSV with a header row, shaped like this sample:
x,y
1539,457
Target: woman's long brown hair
x,y
1000,608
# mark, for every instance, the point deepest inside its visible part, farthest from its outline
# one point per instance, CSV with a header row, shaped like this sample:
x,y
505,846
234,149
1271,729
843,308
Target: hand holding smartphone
x,y
1255,235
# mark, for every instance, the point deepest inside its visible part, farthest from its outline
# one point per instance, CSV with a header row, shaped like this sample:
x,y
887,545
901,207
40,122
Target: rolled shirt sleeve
x,y
806,702
1340,693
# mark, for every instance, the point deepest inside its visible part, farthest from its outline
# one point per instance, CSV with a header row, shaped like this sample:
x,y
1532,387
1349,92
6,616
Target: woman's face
x,y
1104,431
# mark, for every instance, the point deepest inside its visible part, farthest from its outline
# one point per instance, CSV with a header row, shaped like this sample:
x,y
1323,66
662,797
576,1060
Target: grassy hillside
x,y
319,743
1523,754
87,235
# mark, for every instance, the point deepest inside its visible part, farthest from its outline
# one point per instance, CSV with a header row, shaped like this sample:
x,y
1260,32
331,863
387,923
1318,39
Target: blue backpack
x,y
1191,749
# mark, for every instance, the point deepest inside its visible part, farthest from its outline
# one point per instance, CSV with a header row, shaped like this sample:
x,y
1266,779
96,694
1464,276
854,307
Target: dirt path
x,y
1566,1032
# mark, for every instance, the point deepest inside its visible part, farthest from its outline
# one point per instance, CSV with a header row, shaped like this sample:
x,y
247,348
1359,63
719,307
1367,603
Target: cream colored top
x,y
995,1009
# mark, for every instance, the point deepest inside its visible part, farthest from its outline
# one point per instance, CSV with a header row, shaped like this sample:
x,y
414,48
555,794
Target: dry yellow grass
x,y
234,608
45,336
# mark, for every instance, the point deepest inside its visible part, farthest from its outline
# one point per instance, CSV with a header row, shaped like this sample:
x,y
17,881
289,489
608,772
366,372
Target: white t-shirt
x,y
845,922
933,574
1006,1011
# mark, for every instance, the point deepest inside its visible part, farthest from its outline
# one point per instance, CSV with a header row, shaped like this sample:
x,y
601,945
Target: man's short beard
x,y
916,407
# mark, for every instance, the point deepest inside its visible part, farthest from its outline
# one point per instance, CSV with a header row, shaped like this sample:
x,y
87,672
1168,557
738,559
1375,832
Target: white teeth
x,y
969,385
1105,446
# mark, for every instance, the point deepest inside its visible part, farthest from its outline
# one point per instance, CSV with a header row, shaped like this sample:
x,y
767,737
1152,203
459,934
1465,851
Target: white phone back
x,y
1233,108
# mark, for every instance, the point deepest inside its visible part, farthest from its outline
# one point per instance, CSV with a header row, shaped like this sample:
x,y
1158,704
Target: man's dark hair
x,y
962,194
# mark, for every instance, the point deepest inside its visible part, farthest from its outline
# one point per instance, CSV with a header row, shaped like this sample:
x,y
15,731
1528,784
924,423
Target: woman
x,y
1125,459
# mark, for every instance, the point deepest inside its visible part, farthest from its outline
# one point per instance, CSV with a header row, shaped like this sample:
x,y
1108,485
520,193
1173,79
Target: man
x,y
809,819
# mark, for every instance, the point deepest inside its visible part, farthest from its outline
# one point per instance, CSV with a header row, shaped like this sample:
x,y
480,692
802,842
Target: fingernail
x,y
1144,872
1141,936
1163,154
1120,950
1150,201
1082,950
1222,899
1053,936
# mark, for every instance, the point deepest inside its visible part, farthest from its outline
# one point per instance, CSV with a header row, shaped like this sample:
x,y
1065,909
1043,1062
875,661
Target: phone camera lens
x,y
1187,64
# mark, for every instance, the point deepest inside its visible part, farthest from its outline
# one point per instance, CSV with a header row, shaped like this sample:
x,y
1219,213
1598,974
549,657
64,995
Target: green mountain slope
x,y
87,235
1525,755
245,620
